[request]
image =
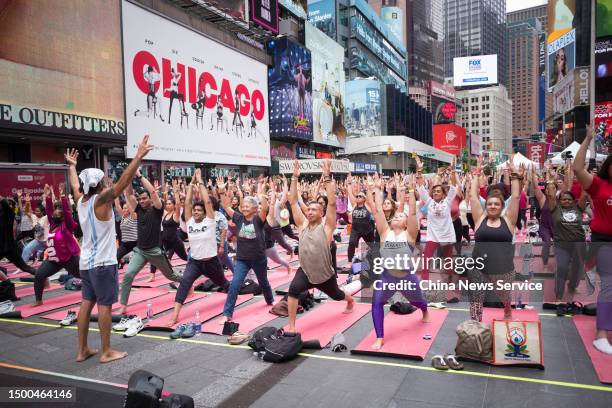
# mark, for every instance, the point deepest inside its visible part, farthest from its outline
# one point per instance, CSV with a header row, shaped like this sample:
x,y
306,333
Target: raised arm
x,y
330,214
296,211
189,198
379,216
412,221
349,189
285,193
71,158
513,208
272,209
477,210
536,189
69,221
151,189
583,176
210,211
225,200
177,202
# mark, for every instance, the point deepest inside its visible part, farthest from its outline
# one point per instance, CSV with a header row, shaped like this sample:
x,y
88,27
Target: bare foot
x,y
171,323
37,303
349,307
426,318
151,278
112,355
85,354
123,310
378,344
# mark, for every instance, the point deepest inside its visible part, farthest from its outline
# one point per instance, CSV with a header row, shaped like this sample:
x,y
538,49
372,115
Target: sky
x,y
513,5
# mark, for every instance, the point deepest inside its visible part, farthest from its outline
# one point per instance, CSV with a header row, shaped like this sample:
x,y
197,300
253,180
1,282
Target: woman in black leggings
x,y
171,224
362,225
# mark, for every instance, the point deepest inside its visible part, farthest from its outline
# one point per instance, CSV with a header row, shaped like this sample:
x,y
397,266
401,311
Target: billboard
x,y
393,17
30,180
297,7
475,144
60,65
290,90
196,106
572,91
265,14
449,138
327,88
363,107
603,18
603,127
560,15
535,153
444,91
322,14
282,151
561,58
232,8
443,111
603,70
473,71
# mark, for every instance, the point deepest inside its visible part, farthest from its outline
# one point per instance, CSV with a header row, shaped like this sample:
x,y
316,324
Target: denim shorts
x,y
101,284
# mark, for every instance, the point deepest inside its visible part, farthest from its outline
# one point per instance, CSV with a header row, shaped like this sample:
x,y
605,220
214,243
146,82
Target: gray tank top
x,y
315,255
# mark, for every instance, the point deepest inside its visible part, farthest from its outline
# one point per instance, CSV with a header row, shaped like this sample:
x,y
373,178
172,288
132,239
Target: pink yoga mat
x,y
327,319
208,307
70,298
527,315
29,291
249,317
404,335
279,277
602,363
135,297
159,281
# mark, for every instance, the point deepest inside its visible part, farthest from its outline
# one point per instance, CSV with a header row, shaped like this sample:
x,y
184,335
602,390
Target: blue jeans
x,y
225,259
32,248
241,268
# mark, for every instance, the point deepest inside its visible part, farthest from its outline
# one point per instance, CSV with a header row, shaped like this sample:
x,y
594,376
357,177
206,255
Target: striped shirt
x,y
129,229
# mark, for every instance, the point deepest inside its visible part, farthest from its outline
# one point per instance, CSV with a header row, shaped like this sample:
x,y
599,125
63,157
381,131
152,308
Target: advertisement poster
x,y
297,7
393,17
265,14
603,127
60,65
30,180
535,153
603,70
475,144
204,107
363,107
327,88
282,151
563,95
233,8
472,71
603,18
322,14
290,90
560,15
561,58
449,138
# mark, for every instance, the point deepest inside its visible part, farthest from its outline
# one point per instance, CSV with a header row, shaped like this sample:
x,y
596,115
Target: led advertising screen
x,y
290,90
449,138
322,14
561,58
327,88
474,71
560,15
603,70
603,127
60,68
393,17
603,18
196,106
265,14
363,107
297,7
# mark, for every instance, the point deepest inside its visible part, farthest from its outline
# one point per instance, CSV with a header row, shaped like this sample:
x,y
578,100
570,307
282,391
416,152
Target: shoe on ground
x,y
562,309
70,318
6,307
190,331
135,325
178,332
320,296
123,324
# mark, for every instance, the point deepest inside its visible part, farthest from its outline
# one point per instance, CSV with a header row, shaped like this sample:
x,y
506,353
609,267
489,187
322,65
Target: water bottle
x,y
149,312
198,322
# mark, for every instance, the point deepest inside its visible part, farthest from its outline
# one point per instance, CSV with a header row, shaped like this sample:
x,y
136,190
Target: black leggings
x,y
172,246
522,218
124,249
210,268
300,284
14,257
49,268
288,231
277,235
458,230
354,241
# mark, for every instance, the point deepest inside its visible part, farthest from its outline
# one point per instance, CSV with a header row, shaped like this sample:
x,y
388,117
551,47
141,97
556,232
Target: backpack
x,y
282,309
7,291
250,287
207,286
306,300
402,308
474,341
280,347
257,340
73,284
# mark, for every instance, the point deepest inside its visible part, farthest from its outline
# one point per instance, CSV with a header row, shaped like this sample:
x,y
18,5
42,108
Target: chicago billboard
x,y
196,106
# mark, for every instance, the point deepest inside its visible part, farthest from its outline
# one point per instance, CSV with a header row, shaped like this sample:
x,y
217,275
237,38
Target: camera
x,y
567,155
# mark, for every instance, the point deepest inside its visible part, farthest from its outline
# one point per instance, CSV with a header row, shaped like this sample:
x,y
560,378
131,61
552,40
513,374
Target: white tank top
x,y
98,247
396,245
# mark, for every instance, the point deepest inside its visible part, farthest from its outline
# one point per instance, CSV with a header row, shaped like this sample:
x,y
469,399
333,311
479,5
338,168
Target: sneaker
x,y
70,318
320,295
6,307
178,332
123,323
134,326
190,330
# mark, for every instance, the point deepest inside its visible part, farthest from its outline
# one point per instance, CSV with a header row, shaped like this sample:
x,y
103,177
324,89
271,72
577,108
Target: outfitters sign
x,y
197,106
60,65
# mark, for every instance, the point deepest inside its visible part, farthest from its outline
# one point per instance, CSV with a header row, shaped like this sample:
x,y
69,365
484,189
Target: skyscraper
x,y
475,27
425,41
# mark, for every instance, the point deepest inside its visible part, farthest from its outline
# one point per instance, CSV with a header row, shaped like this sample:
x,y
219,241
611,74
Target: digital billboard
x,y
603,70
474,71
363,107
561,58
297,7
233,8
393,17
290,90
603,127
328,88
449,138
322,14
560,17
60,68
196,106
265,14
365,62
603,18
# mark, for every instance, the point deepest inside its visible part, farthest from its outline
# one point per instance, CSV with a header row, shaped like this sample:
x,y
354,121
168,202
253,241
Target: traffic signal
x,y
389,150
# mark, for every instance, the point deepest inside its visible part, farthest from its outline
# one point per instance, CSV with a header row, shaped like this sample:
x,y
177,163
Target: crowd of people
x,y
98,226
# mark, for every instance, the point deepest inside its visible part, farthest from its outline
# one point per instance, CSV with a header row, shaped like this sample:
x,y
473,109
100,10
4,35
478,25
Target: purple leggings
x,y
604,300
382,296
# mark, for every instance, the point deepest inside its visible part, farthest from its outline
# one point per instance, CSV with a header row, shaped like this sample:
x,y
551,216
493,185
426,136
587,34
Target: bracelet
x,y
411,190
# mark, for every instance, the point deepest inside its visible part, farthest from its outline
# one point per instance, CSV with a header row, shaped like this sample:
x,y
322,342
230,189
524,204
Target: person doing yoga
x,y
200,216
397,237
316,270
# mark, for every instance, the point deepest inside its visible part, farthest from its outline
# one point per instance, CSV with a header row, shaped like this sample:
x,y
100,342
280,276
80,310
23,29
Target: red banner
x,y
323,155
29,180
536,152
449,138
